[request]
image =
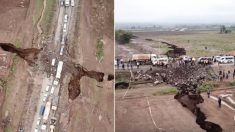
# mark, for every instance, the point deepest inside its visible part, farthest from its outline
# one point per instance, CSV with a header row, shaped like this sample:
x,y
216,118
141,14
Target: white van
x,y
47,88
226,59
61,50
52,90
55,82
63,40
53,62
65,28
66,18
43,127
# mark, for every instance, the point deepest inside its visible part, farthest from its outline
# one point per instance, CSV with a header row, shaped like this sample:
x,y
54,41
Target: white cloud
x,y
175,10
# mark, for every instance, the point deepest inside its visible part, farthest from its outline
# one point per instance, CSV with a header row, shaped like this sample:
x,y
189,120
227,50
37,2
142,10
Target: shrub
x,y
123,37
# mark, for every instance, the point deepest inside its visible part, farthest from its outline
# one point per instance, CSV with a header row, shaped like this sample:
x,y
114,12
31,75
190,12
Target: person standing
x,y
234,74
137,64
219,102
123,66
223,75
226,75
234,119
208,93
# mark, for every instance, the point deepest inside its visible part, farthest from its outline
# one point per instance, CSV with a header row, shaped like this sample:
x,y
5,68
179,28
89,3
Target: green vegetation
x,y
14,63
100,49
232,83
195,42
38,9
224,30
207,86
48,15
18,43
123,37
8,129
165,91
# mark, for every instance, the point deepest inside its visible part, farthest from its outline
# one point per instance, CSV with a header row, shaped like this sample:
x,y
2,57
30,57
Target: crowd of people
x,y
223,75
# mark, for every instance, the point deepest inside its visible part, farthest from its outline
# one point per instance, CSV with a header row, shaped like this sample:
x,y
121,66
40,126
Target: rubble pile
x,y
30,55
185,78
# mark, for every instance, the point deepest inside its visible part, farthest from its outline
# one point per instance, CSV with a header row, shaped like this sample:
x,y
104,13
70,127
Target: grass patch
x,y
232,83
48,15
8,129
166,91
18,43
195,43
38,7
208,86
100,49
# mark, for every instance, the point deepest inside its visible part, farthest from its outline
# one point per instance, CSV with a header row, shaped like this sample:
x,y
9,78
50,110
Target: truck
x,y
47,111
59,69
144,58
72,3
67,3
42,109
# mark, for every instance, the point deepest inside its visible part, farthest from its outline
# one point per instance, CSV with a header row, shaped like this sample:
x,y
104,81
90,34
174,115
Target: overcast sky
x,y
175,11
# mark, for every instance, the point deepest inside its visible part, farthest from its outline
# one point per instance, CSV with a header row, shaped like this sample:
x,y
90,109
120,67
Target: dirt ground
x,y
93,109
168,114
16,27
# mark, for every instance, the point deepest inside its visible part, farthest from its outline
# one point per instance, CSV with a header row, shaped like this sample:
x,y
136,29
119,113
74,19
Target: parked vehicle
x,y
72,3
36,130
216,58
52,89
43,127
65,28
205,60
47,88
66,18
47,111
161,60
61,2
63,40
144,58
53,62
226,59
186,58
67,3
38,121
62,50
42,109
55,82
44,97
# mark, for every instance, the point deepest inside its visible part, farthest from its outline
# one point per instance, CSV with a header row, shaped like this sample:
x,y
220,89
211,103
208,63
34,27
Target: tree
x,y
123,37
224,30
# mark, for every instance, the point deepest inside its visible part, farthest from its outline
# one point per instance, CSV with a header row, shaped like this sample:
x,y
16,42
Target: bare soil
x,y
167,113
16,26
